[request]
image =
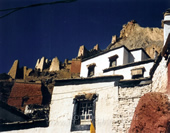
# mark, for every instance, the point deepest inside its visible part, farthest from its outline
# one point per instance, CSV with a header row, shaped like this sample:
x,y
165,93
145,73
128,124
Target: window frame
x,y
91,68
113,59
76,116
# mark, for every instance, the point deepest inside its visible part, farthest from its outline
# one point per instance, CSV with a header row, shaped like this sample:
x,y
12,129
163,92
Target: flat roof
x,y
106,51
88,80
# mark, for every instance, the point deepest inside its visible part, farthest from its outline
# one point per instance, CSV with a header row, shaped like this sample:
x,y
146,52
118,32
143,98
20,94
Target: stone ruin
x,y
55,65
84,53
19,73
44,63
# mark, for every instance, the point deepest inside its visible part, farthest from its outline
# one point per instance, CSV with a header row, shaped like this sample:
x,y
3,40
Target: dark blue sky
x,y
59,30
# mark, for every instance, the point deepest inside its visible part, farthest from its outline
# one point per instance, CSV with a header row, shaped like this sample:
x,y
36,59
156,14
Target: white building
x,y
118,61
103,96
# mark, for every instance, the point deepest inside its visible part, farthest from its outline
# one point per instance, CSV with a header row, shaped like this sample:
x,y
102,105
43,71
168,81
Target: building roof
x,y
13,119
12,110
88,80
108,50
104,51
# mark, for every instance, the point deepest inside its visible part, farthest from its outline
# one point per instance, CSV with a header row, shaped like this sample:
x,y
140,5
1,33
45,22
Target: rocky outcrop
x,y
134,36
152,114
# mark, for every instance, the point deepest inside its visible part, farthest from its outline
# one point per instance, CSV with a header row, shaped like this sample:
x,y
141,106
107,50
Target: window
x,y
137,72
113,61
83,112
91,69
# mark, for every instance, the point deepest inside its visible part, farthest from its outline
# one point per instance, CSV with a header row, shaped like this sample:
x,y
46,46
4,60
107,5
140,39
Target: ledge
x,y
135,82
88,80
23,125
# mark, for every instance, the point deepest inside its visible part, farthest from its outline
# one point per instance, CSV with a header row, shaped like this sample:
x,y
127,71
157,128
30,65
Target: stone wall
x,y
23,94
125,106
160,78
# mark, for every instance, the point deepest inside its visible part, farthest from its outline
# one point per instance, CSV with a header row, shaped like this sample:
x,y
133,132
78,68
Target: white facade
x,y
124,57
166,26
126,72
138,55
62,106
102,62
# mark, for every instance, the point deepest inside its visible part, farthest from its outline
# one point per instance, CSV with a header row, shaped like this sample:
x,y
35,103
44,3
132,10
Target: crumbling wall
x,y
127,100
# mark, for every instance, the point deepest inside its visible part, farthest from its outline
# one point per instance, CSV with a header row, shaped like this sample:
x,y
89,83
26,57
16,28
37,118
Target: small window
x,y
91,69
83,112
113,61
137,72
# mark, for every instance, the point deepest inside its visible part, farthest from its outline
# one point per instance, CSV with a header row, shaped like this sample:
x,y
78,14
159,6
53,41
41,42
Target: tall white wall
x,y
61,109
102,62
166,27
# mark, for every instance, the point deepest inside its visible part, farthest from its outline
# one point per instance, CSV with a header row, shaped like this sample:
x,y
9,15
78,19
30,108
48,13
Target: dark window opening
x,y
113,61
91,68
83,112
137,72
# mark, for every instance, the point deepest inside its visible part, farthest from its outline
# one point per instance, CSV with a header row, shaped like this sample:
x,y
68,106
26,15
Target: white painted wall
x,y
124,57
137,54
102,62
126,72
166,27
61,108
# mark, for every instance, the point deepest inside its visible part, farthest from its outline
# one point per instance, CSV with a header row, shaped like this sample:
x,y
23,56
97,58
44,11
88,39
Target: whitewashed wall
x,y
166,27
160,77
137,54
126,72
102,62
62,106
124,57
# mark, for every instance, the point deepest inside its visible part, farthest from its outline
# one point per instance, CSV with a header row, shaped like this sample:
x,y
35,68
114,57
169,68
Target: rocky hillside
x,y
134,36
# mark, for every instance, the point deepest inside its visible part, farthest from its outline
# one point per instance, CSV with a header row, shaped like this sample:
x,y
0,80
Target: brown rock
x,y
152,114
134,36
